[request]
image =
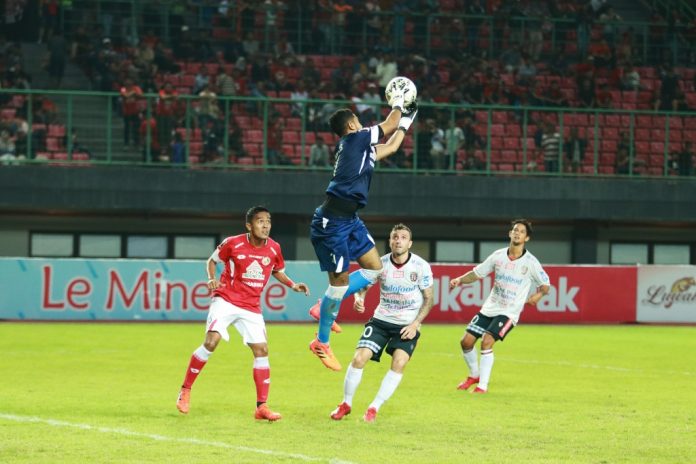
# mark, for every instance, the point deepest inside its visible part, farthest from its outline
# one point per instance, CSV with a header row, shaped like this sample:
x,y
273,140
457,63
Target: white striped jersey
x,y
512,284
400,289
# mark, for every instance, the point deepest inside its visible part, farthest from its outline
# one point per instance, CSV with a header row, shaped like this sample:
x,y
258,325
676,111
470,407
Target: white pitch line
x,y
570,364
195,441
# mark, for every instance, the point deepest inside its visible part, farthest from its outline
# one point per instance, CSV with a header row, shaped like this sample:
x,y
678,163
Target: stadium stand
x,y
556,55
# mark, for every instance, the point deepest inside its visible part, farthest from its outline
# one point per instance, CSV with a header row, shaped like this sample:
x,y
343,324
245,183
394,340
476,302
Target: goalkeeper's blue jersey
x,y
355,162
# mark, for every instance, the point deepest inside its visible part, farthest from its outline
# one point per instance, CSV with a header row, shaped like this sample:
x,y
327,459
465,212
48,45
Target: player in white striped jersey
x,y
405,299
516,270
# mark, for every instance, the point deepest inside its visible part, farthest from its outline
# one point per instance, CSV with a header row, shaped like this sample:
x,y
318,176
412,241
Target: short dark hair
x,y
339,120
253,211
525,222
401,226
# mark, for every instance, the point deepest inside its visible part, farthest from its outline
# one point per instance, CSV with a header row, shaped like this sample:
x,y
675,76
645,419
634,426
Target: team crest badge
x,y
525,269
413,276
241,256
266,261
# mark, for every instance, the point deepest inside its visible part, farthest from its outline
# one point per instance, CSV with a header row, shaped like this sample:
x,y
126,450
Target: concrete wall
x,y
576,218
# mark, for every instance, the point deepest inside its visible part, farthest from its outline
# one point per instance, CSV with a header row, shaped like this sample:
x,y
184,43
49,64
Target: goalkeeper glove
x,y
411,107
397,102
406,120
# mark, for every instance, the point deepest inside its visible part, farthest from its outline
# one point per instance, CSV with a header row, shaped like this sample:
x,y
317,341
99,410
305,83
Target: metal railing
x,y
89,128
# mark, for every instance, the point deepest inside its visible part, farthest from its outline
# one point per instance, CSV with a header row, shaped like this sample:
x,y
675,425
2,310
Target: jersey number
x,y
367,333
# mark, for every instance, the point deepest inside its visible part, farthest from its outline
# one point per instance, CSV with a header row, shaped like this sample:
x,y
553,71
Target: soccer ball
x,y
398,84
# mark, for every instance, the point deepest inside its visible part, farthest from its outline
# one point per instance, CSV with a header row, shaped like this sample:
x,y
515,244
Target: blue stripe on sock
x,y
328,311
356,283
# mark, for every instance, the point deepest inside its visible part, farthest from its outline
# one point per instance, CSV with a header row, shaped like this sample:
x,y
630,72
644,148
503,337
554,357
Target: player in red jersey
x,y
249,261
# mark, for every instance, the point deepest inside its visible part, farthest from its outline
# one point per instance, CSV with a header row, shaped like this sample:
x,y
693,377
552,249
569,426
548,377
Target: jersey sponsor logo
x,y
254,272
398,274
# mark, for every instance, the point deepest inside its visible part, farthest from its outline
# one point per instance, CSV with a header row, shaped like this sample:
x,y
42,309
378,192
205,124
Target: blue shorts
x,y
338,240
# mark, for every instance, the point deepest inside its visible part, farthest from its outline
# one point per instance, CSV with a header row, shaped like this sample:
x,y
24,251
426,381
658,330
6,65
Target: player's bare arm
x,y
213,283
468,278
394,142
299,287
392,145
408,332
538,295
390,124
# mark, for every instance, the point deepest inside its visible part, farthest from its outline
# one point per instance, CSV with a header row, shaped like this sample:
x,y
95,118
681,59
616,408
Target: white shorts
x,y
250,326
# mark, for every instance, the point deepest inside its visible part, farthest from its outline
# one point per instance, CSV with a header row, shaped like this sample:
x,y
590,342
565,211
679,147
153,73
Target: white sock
x,y
262,363
386,390
350,384
471,359
202,354
486,367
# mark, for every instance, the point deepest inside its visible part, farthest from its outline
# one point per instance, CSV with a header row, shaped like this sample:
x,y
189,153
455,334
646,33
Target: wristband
x,y
290,283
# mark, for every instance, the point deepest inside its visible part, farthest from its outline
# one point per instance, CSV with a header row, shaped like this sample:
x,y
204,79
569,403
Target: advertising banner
x,y
151,290
666,294
132,290
579,294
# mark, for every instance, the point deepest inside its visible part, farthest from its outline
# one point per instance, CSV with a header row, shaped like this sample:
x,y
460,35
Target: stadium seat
x,y
291,136
656,160
609,145
512,143
657,147
644,121
642,147
509,156
254,136
53,144
610,133
55,130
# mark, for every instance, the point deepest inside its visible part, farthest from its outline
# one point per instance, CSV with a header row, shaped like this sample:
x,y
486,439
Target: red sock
x,y
194,368
262,379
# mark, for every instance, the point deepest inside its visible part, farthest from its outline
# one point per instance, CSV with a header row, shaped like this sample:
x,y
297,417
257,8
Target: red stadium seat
x,y
657,147
644,121
291,136
53,144
55,130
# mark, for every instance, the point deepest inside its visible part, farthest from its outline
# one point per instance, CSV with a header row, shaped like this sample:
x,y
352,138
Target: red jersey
x,y
247,269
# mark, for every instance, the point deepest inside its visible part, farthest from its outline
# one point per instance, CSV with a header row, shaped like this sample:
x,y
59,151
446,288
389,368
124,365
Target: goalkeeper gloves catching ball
x,y
408,115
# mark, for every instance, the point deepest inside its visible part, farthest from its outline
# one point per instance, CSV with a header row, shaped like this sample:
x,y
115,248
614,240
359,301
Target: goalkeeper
x,y
337,233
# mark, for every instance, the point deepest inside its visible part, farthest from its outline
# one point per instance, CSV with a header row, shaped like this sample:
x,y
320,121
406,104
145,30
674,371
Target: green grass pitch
x,y
105,393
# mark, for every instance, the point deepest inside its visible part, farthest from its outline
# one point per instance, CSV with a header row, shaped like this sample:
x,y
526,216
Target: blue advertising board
x,y
131,290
